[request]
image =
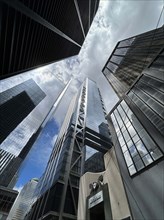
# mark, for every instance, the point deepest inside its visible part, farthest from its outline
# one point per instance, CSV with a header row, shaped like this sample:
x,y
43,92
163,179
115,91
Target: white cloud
x,y
115,20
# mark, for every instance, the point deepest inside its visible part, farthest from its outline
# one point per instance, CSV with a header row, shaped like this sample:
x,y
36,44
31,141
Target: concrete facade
x,y
111,176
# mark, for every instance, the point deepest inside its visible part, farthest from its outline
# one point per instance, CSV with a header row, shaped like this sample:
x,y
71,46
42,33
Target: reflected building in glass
x,y
83,138
24,105
130,57
137,124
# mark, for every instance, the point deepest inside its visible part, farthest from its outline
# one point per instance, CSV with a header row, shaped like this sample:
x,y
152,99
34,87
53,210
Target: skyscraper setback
x,y
84,126
35,33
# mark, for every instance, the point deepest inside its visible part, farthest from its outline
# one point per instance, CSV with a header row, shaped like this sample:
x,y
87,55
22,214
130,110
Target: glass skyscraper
x,y
137,121
25,103
130,57
16,103
139,118
35,33
23,201
84,128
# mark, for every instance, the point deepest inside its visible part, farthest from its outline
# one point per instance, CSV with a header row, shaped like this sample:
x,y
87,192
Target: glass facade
x,y
95,113
82,141
26,103
58,157
138,148
24,201
39,88
94,162
148,95
130,57
62,27
16,103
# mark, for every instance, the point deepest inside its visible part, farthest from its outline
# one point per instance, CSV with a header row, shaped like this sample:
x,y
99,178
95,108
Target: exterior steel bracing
x,y
58,187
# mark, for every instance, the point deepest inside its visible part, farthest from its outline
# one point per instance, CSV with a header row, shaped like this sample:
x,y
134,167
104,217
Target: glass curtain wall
x,y
137,146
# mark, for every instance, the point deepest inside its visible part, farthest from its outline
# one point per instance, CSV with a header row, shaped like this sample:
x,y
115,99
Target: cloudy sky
x,y
115,20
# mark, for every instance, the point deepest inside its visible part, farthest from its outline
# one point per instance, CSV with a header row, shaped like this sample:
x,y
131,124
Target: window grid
x,y
138,149
150,101
149,113
148,94
133,147
125,149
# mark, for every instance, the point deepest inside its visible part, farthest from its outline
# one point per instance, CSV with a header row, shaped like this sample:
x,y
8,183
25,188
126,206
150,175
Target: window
x,y
138,148
148,95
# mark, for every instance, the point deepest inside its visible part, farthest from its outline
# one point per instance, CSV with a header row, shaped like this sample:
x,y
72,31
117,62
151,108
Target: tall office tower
x,y
23,201
138,121
16,103
23,109
35,33
130,57
84,127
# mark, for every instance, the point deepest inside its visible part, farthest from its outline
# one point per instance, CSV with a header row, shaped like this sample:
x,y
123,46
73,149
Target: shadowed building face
x,y
35,33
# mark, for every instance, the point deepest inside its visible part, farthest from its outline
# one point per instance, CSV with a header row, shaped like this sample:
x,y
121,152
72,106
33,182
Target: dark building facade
x,y
22,120
130,57
16,103
59,185
137,127
36,33
7,198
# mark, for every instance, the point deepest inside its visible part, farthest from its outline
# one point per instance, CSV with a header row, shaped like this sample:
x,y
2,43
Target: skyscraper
x,y
23,201
37,33
16,103
84,126
137,127
130,57
24,107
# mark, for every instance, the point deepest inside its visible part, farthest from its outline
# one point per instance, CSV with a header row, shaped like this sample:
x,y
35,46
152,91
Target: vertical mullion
x,y
38,39
12,43
45,37
95,8
132,138
125,143
22,44
16,49
31,61
31,36
30,44
27,40
89,16
3,61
